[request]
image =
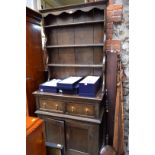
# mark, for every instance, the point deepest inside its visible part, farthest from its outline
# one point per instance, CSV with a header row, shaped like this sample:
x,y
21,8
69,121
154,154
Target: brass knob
x,y
73,108
86,110
44,104
56,106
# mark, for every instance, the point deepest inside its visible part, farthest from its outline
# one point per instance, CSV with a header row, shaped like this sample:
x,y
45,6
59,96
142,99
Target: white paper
x,y
52,83
90,80
70,80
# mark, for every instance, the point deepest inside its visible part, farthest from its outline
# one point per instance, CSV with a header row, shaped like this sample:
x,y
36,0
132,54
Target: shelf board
x,y
77,65
80,45
77,23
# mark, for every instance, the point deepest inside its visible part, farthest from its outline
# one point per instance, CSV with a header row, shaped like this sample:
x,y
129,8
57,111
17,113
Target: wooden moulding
x,y
70,9
67,97
77,65
65,116
33,16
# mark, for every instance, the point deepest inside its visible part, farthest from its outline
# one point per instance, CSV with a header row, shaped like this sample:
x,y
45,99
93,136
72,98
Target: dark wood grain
x,y
85,57
35,143
80,16
84,34
34,57
98,33
50,20
64,19
54,130
52,36
80,137
98,55
65,36
86,110
35,16
53,55
73,98
66,56
82,143
52,105
111,79
98,58
61,72
71,117
75,48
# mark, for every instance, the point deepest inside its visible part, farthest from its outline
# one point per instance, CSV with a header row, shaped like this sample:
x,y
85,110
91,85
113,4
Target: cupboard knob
x,y
44,104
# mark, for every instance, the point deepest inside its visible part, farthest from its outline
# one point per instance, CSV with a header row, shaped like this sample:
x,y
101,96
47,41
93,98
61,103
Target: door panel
x,y
81,138
54,131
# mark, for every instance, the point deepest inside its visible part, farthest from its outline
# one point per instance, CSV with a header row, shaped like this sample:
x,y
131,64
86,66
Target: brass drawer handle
x,y
73,109
57,106
86,110
44,104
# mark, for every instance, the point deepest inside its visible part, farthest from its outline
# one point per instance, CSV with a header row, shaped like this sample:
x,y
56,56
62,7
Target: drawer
x,y
52,105
80,109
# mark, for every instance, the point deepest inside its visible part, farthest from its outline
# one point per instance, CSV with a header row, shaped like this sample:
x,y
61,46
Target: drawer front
x,y
80,109
52,105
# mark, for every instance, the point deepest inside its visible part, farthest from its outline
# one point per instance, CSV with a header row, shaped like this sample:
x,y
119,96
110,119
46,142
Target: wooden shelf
x,y
80,45
77,23
77,65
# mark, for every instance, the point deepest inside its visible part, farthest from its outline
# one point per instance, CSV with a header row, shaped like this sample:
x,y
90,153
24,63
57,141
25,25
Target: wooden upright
x,y
34,57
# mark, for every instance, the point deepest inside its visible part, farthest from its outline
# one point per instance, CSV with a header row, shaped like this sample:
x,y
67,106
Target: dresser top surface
x,y
96,99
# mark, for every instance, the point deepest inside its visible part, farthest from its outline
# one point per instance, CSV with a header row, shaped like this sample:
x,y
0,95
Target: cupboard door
x,y
81,138
54,131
